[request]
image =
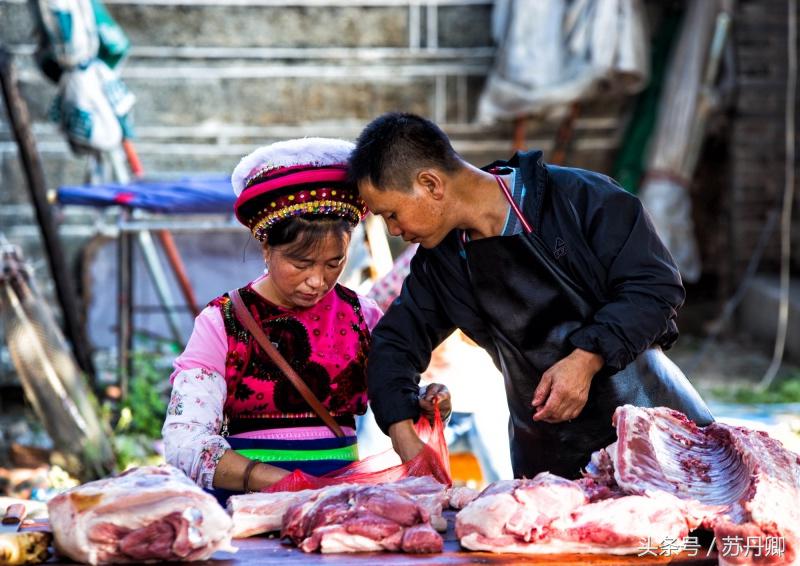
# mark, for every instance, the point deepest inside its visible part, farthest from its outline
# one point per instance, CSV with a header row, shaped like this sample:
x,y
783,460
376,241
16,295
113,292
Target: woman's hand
x,y
428,396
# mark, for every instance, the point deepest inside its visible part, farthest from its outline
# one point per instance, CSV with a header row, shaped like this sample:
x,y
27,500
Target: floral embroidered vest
x,y
326,345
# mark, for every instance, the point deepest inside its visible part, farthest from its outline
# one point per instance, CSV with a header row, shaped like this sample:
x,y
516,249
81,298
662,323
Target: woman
x,y
235,422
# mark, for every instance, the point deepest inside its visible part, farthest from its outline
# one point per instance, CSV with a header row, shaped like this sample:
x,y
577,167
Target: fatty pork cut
x,y
256,513
550,515
361,518
147,514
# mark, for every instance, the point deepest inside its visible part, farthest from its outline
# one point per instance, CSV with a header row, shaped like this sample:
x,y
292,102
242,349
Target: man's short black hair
x,y
394,146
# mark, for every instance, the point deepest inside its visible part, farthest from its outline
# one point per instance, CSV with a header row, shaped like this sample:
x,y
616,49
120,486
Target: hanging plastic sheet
x,y
631,159
78,47
113,43
93,107
554,53
67,33
683,109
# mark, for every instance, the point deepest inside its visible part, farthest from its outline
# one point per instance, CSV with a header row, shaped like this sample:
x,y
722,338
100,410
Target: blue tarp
x,y
197,194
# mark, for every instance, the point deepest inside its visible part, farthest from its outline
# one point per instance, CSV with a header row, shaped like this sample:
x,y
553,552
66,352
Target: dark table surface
x,y
270,550
264,549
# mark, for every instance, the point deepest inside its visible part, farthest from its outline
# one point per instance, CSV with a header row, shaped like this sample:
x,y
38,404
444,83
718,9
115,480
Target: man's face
x,y
417,215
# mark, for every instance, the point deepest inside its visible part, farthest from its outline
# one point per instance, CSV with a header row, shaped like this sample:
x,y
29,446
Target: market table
x,y
270,550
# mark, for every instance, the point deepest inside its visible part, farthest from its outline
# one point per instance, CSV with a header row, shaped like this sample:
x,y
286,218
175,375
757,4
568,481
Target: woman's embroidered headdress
x,y
295,178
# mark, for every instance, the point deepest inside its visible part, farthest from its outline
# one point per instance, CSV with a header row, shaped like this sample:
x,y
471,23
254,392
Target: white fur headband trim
x,y
312,151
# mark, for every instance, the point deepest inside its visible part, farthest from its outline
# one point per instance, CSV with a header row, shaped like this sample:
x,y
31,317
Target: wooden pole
x,y
564,135
19,119
178,267
520,125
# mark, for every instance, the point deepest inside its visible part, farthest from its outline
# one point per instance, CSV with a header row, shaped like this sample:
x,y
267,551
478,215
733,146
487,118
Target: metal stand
x,y
125,278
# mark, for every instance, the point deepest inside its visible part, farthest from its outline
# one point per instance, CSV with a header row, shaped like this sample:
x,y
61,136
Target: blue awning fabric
x,y
205,194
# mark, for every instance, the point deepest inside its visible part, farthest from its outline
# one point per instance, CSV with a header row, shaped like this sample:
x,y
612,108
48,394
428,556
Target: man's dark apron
x,y
532,308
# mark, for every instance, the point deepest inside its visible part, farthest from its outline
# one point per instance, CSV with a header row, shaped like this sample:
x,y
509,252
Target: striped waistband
x,y
293,433
296,445
348,453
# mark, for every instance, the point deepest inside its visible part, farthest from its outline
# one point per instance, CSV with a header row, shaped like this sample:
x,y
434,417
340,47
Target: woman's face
x,y
300,279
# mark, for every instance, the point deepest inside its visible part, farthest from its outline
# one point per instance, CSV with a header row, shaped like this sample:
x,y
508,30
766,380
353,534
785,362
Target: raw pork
x,y
428,494
550,515
256,513
360,519
460,497
752,477
662,477
147,514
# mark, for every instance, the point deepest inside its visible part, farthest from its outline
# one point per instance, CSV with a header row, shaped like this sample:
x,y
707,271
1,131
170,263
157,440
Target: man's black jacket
x,y
598,233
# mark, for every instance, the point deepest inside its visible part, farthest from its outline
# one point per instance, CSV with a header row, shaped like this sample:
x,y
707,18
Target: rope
x,y
788,197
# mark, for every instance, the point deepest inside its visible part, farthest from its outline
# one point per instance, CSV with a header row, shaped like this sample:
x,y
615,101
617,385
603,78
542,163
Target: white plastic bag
x,y
93,107
554,53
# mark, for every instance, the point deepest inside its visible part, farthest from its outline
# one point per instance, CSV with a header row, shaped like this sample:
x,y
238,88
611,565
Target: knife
x,y
12,519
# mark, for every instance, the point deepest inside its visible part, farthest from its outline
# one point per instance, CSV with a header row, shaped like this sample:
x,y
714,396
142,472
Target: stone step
x,y
218,148
196,63
596,124
298,23
259,95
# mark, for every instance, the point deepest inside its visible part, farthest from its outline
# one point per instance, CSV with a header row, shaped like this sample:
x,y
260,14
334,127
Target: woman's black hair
x,y
302,234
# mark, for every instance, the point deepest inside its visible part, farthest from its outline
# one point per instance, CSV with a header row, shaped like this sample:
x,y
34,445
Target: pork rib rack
x,y
750,475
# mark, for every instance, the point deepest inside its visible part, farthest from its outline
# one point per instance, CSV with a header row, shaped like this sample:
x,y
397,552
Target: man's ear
x,y
433,181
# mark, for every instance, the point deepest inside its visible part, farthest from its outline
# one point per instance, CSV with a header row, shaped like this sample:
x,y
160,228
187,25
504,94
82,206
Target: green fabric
x,y
269,455
114,44
630,163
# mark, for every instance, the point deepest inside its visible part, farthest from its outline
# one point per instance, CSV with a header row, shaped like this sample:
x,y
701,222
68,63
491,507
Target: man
x,y
556,272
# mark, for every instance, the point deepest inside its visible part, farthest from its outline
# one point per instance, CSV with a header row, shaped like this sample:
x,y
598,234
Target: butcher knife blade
x,y
12,519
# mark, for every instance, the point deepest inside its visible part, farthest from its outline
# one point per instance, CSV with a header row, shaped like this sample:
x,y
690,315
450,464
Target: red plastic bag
x,y
433,460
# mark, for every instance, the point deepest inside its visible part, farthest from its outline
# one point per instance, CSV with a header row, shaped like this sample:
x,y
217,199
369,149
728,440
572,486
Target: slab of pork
x,y
551,515
361,519
256,513
147,514
460,497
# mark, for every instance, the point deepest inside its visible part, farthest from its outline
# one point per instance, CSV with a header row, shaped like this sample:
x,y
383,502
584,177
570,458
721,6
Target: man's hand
x,y
428,397
564,388
405,440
